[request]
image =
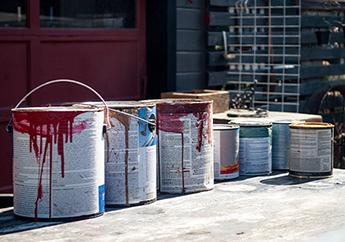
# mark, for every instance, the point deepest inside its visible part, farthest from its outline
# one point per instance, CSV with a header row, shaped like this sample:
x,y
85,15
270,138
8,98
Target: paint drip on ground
x,y
54,163
185,131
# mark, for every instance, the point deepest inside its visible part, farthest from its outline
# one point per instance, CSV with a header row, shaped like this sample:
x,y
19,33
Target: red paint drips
x,y
169,120
55,127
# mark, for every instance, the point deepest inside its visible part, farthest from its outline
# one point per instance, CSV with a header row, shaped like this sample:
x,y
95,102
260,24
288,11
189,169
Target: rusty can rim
x,y
311,125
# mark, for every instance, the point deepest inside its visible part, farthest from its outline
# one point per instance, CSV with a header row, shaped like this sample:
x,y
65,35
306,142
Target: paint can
x,y
255,148
131,154
185,141
226,151
311,150
58,161
280,144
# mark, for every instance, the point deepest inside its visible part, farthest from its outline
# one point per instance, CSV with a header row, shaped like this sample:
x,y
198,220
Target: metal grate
x,y
263,50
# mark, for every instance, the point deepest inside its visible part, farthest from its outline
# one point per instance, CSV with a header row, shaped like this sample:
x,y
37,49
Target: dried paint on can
x,y
311,150
131,155
58,155
226,152
255,148
185,134
280,144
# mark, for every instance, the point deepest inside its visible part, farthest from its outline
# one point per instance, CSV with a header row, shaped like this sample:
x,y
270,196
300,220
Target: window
x,y
87,13
13,13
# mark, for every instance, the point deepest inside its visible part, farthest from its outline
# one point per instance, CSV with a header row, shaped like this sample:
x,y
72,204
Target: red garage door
x,y
101,43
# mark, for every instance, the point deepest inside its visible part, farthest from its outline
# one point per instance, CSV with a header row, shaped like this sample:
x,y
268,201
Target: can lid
x,y
311,125
118,104
177,101
251,123
286,121
225,127
58,109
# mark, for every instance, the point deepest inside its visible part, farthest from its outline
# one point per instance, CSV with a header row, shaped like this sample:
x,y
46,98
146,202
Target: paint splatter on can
x,y
58,155
131,154
255,148
311,150
185,134
226,152
280,144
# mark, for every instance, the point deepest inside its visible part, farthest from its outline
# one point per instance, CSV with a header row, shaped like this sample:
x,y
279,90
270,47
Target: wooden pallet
x,y
220,99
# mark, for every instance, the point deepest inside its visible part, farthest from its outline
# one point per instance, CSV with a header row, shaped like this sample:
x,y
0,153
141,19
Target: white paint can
x,y
58,169
311,150
226,151
185,131
131,154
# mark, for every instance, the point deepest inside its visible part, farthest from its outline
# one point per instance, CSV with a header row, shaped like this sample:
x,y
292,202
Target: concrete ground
x,y
267,208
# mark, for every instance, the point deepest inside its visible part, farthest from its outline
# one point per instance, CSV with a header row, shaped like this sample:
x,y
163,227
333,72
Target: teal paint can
x,y
255,148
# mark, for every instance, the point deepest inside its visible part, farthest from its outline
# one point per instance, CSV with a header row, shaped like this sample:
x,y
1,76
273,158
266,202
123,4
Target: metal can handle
x,y
64,81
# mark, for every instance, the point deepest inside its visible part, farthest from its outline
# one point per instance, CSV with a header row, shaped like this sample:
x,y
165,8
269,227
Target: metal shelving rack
x,y
264,43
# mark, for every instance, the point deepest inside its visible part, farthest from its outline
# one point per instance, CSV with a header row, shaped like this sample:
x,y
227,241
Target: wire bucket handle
x,y
9,127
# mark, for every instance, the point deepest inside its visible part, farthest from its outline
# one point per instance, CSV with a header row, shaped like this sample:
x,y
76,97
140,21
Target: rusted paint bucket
x,y
131,154
255,148
58,156
185,138
226,152
311,150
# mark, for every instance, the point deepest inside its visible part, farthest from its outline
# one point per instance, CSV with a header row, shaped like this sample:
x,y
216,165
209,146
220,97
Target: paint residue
x,y
169,120
125,121
53,126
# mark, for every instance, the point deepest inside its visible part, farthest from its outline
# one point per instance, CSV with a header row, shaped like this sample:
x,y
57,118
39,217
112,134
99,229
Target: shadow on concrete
x,y
287,180
6,201
9,223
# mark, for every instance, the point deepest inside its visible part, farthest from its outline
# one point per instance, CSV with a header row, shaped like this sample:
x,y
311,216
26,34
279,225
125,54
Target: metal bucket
x,y
185,138
131,154
58,160
280,144
311,150
226,152
255,148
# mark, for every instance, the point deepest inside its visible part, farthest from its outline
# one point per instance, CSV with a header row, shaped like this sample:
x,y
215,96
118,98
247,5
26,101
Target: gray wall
x,y
190,44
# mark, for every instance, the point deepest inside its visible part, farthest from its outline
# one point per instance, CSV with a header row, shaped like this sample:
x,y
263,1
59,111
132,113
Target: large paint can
x,y
255,148
311,150
185,138
58,162
131,154
226,152
280,144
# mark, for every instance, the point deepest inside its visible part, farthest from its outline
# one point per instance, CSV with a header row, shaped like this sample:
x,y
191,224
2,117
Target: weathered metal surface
x,y
58,156
311,150
262,209
185,139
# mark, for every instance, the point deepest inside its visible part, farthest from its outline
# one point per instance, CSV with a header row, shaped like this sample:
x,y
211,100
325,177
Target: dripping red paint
x,y
54,127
